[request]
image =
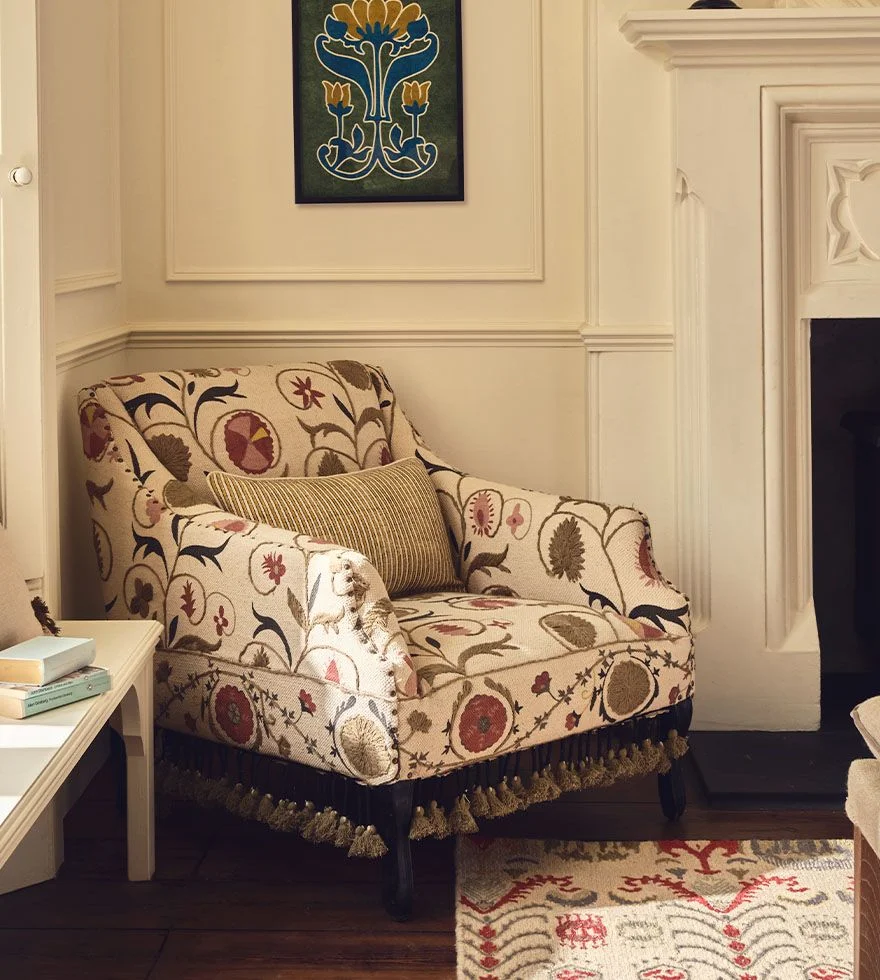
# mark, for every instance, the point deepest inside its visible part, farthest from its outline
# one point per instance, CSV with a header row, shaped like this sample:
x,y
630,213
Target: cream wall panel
x,y
229,134
631,434
497,228
79,58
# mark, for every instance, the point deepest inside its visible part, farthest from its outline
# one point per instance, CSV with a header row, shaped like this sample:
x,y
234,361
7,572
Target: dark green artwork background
x,y
439,125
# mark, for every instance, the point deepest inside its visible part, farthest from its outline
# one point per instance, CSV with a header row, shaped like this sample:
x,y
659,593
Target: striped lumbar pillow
x,y
388,513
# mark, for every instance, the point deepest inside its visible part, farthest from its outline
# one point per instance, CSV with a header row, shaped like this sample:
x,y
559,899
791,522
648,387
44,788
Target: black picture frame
x,y
395,166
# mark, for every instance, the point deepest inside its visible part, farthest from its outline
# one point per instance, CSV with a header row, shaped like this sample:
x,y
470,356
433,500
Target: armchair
x,y
291,688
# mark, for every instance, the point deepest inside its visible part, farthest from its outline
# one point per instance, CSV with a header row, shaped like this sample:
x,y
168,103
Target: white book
x,y
45,658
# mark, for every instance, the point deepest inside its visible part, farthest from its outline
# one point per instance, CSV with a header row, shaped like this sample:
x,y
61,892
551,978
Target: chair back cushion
x,y
389,513
308,419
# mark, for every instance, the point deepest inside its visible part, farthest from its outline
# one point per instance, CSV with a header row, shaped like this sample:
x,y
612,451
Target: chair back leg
x,y
397,869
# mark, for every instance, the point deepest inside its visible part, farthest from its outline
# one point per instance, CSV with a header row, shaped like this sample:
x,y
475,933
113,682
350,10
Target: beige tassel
x,y
202,790
439,823
305,815
289,820
367,843
594,775
496,807
461,820
676,745
539,789
344,833
519,791
249,806
324,826
553,790
307,826
219,791
479,803
510,800
266,808
234,798
276,817
566,778
420,827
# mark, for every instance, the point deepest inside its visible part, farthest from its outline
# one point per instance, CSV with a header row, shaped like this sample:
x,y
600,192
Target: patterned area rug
x,y
665,910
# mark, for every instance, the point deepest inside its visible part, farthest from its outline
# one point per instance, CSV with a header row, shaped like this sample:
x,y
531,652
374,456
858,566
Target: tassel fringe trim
x,y
326,826
546,784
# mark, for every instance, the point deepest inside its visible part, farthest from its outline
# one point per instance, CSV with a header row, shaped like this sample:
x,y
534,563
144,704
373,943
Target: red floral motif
x,y
581,931
220,621
663,973
501,623
187,599
95,430
235,525
306,702
542,683
574,973
515,520
274,567
385,456
482,513
704,854
482,722
731,931
829,973
310,396
675,694
234,714
485,603
646,562
450,629
572,720
249,443
154,510
742,960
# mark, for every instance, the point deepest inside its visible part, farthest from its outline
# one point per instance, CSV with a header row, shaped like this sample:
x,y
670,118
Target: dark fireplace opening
x,y
845,418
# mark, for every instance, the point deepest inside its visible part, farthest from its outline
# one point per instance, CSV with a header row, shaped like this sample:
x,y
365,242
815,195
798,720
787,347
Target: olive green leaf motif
x,y
566,551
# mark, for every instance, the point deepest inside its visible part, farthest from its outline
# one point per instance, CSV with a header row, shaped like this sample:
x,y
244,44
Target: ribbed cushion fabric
x,y
388,513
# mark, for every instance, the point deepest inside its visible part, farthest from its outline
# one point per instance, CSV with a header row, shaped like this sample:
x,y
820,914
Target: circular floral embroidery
x,y
627,688
482,723
365,747
95,430
249,443
234,713
173,453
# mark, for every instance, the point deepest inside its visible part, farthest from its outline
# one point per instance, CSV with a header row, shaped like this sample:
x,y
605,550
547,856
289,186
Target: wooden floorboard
x,y
233,901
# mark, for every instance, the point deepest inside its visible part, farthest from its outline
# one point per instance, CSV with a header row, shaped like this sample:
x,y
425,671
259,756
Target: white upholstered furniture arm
x,y
561,549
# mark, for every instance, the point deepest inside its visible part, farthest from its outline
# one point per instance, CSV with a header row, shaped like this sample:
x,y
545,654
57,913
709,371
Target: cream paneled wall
x,y
526,330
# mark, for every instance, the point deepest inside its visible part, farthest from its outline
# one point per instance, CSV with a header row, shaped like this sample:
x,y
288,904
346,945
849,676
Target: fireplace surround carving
x,y
776,198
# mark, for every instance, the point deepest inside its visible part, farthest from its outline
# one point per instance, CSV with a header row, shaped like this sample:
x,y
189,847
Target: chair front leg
x,y
670,785
397,869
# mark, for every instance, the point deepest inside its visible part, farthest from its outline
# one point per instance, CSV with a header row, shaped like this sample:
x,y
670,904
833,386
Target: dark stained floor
x,y
234,901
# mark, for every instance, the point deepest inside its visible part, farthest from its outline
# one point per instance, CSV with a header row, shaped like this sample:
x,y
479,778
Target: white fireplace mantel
x,y
776,198
810,35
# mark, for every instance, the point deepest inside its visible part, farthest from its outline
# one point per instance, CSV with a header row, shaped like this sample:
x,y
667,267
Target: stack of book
x,y
48,672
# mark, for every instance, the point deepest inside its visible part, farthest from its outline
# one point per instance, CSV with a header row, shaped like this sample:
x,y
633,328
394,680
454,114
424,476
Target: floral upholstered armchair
x,y
291,688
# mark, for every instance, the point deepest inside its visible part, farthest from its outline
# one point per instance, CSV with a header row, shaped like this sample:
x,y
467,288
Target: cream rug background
x,y
659,910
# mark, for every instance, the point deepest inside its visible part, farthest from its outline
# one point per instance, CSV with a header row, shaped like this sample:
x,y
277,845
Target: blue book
x,y
44,659
23,700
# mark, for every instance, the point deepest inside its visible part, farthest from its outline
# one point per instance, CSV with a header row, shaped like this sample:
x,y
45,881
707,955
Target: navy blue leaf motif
x,y
172,629
204,553
270,625
343,408
216,393
150,545
148,401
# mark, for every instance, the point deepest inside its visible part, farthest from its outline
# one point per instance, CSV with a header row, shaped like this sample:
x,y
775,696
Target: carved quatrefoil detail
x,y
846,243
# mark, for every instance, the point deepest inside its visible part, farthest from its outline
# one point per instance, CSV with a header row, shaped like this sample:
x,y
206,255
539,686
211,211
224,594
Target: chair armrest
x,y
539,546
309,607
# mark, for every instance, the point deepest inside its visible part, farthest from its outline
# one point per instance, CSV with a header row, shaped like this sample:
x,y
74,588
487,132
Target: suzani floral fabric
x,y
290,646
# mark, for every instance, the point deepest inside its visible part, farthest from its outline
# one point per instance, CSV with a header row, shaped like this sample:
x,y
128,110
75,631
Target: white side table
x,y
37,754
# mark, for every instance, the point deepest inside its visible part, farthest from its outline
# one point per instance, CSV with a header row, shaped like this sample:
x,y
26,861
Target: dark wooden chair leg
x,y
397,869
670,785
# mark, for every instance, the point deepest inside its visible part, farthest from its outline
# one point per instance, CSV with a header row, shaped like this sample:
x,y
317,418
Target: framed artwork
x,y
377,101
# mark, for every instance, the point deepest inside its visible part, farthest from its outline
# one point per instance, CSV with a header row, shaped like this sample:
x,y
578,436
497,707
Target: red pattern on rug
x,y
668,910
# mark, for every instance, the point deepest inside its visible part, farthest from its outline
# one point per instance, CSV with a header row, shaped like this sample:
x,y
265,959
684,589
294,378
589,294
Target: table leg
x,y
136,728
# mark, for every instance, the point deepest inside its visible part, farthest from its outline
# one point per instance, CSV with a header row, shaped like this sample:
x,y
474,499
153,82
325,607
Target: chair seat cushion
x,y
498,674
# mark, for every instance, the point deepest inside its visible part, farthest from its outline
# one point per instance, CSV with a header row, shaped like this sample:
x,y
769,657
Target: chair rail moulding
x,y
776,155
